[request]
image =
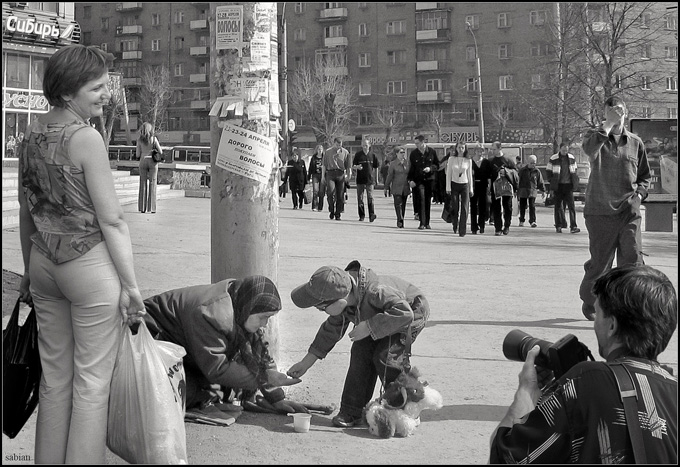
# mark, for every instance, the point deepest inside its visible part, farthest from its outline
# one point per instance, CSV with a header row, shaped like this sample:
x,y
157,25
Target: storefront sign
x,y
459,134
19,100
22,27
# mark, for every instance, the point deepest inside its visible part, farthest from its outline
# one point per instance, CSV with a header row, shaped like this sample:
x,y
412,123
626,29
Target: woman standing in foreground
x,y
78,268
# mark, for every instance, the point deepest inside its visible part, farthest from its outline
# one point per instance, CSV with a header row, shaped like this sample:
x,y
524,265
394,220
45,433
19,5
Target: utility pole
x,y
479,84
244,225
283,40
559,130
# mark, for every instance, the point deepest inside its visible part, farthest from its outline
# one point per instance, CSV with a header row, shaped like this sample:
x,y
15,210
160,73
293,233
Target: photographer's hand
x,y
527,393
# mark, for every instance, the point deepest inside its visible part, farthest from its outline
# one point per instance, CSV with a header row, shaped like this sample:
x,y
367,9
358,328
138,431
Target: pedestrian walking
x,y
296,175
315,172
397,183
365,163
502,170
561,170
336,170
459,186
423,163
479,204
530,183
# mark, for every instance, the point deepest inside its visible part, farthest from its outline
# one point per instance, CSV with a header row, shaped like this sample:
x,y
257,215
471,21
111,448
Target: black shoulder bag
x,y
624,381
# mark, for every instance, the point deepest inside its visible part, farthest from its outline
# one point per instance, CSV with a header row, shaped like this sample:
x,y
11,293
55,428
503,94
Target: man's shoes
x,y
400,224
474,232
372,217
343,420
314,209
294,207
455,229
416,217
533,224
506,231
498,233
337,218
575,230
588,311
428,227
558,229
331,216
461,234
481,230
361,219
421,227
521,224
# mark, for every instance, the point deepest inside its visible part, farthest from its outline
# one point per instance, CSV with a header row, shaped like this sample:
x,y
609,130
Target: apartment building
x,y
419,59
174,35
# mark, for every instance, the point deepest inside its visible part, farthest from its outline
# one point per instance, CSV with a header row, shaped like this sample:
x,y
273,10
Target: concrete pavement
x,y
479,287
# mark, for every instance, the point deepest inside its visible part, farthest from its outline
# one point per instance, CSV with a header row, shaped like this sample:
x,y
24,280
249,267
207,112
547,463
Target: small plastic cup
x,y
301,421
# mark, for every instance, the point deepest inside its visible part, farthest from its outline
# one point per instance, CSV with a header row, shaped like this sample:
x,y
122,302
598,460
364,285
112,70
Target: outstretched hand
x,y
276,378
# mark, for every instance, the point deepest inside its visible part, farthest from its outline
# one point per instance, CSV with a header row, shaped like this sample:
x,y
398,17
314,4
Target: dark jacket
x,y
553,171
530,181
482,175
315,164
505,166
388,304
418,161
296,174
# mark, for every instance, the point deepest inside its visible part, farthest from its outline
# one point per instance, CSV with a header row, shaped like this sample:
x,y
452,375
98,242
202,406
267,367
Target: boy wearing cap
x,y
530,182
382,308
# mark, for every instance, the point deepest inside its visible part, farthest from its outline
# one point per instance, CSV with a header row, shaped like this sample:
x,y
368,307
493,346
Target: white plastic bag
x,y
146,406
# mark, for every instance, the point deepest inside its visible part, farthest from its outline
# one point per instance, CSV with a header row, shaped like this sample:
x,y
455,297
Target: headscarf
x,y
249,296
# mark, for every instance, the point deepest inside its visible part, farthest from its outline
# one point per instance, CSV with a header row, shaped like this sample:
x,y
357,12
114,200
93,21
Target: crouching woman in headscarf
x,y
220,327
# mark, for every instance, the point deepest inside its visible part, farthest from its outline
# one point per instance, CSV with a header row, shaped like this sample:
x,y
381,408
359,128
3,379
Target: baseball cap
x,y
327,283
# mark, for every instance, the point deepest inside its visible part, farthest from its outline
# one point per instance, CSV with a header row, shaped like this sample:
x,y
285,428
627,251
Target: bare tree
x,y
500,111
114,110
324,98
155,95
390,119
434,118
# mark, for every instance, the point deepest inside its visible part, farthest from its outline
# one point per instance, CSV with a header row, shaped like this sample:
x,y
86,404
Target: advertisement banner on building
x,y
229,27
245,153
462,134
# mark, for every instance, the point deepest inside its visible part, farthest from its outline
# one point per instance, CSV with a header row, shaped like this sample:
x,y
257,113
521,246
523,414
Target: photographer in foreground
x,y
582,419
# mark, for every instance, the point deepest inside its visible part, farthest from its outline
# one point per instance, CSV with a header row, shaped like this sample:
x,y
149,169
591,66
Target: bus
x,y
661,143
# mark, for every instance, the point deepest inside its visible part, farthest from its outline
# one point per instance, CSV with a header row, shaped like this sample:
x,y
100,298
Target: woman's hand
x,y
276,378
297,370
24,290
131,305
360,331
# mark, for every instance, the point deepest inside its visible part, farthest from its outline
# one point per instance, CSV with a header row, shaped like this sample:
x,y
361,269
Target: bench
x,y
659,211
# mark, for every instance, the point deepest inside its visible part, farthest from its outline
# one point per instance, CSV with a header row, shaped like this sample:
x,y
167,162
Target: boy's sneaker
x,y
575,230
558,229
344,420
533,224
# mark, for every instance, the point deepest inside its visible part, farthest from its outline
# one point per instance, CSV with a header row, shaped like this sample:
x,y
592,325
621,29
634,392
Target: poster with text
x,y
229,27
245,153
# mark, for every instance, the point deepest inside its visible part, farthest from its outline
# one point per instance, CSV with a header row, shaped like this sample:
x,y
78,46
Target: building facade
x,y
31,33
418,60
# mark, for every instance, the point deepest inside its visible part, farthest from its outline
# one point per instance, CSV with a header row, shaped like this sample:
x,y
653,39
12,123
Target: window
x,y
333,57
104,46
17,71
646,112
395,27
179,17
505,82
472,114
503,20
129,45
645,83
300,34
365,118
105,24
155,45
537,17
299,8
537,81
396,87
331,5
364,60
672,84
363,4
364,89
645,20
396,57
433,85
333,31
671,22
179,69
203,67
155,19
175,123
432,20
473,21
646,51
504,51
179,43
87,12
431,54
470,53
671,52
179,95
472,84
363,30
618,82
203,41
508,112
87,37
672,112
539,49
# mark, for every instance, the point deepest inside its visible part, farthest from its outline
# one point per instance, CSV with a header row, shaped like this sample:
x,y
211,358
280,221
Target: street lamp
x,y
479,84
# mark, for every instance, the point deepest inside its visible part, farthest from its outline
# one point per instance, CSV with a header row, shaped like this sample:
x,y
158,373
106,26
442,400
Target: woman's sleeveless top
x,y
56,193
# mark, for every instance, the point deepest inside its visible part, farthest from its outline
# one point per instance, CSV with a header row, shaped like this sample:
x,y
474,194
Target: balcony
x,y
128,6
333,14
198,51
199,105
434,96
336,71
335,41
427,6
432,66
433,35
198,78
132,55
198,24
126,30
132,82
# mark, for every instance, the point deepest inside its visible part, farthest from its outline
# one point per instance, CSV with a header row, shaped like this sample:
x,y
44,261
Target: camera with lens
x,y
558,357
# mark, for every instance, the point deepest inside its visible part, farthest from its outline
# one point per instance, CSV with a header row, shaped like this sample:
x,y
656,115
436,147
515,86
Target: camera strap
x,y
624,381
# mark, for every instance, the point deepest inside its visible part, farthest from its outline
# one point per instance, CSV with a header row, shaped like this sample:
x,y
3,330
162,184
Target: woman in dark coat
x,y
296,174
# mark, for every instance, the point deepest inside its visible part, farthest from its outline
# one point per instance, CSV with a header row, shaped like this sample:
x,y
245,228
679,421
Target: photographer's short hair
x,y
645,305
69,69
337,140
615,100
420,138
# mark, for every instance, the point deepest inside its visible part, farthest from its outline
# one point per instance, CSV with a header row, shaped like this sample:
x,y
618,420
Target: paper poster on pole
x,y
260,48
245,153
229,27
